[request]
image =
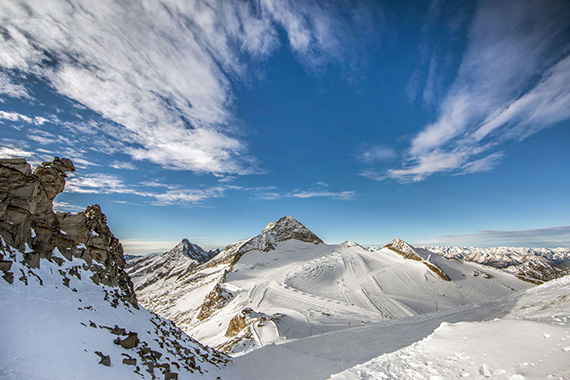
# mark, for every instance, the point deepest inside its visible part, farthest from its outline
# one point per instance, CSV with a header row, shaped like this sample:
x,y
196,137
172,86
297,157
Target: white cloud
x,y
13,152
101,183
11,89
15,116
163,71
61,206
512,82
122,165
341,195
531,237
377,153
484,164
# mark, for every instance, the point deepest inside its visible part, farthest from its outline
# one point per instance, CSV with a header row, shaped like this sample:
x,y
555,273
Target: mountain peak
x,y
193,251
284,222
287,228
401,246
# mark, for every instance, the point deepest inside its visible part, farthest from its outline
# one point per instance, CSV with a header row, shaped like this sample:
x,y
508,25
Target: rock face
x,y
28,223
66,272
407,251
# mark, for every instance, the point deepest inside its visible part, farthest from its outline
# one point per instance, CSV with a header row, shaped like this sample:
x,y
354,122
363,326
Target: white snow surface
x,y
50,331
532,341
309,293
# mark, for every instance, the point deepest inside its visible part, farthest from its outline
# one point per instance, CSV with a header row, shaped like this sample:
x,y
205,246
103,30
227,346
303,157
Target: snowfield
x,y
532,341
308,310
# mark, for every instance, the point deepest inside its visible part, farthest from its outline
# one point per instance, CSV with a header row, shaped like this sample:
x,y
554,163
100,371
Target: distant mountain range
x,y
535,265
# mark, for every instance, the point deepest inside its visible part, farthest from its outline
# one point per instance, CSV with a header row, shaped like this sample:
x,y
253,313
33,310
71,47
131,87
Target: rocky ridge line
x,y
29,224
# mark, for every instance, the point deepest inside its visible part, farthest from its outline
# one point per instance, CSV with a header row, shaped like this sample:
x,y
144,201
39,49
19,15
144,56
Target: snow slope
x,y
531,342
55,331
282,289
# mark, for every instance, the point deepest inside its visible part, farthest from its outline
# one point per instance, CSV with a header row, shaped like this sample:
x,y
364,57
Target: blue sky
x,y
436,122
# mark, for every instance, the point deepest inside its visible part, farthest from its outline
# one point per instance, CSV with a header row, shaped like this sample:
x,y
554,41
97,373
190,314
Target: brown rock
x,y
171,376
129,342
5,265
130,361
27,204
106,361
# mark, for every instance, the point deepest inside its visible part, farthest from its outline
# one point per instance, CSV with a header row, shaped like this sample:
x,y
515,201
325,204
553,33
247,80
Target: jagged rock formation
x,y
535,265
28,223
181,259
66,272
407,251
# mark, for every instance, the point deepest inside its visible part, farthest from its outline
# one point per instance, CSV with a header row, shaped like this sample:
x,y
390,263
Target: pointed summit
x,y
193,251
286,228
403,249
183,257
289,228
408,252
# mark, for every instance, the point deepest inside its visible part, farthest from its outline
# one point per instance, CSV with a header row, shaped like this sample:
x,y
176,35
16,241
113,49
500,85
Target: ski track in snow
x,y
335,302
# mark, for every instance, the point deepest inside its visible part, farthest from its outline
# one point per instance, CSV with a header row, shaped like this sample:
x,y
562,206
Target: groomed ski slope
x,y
531,342
315,289
522,336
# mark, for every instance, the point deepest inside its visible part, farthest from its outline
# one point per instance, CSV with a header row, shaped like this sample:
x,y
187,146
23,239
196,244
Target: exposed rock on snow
x,y
407,251
285,229
27,206
64,285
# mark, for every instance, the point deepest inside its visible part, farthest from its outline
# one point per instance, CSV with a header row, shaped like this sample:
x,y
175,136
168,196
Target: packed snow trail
x,y
318,357
531,342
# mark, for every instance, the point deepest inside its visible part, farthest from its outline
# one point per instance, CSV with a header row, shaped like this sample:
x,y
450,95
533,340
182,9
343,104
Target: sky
x,y
440,123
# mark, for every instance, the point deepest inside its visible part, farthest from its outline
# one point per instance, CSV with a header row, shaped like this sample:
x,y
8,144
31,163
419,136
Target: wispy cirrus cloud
x,y
164,71
14,152
512,82
318,190
558,236
158,195
304,194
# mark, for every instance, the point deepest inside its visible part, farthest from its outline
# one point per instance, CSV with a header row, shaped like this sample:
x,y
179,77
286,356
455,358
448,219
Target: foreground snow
x,y
53,331
531,342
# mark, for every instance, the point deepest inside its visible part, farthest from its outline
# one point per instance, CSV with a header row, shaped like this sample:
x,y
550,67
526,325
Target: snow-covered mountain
x,y
68,309
182,258
535,265
285,284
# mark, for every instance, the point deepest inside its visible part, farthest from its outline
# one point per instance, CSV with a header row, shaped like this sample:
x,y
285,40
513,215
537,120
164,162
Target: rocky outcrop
x,y
215,300
29,224
408,252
